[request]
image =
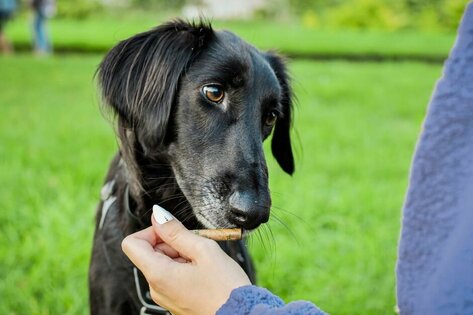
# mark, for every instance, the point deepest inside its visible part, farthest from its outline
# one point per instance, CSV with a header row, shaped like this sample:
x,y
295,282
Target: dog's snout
x,y
249,210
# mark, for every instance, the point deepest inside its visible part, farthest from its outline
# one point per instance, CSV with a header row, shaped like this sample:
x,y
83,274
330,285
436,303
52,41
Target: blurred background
x,y
363,72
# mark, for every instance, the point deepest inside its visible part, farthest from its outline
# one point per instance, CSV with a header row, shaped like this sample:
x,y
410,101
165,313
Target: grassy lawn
x,y
290,38
356,126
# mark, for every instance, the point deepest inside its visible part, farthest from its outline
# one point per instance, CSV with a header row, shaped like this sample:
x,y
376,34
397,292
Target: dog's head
x,y
206,100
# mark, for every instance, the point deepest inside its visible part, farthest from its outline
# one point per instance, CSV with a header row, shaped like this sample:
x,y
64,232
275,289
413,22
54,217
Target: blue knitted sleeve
x,y
435,259
253,300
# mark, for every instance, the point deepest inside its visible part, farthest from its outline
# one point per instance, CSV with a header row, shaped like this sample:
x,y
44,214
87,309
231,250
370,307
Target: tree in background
x,y
381,14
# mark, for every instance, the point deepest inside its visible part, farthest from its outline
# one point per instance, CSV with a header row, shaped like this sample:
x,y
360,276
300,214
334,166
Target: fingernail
x,y
161,215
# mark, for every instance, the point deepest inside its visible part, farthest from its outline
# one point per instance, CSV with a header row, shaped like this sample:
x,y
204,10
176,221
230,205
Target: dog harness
x,y
148,307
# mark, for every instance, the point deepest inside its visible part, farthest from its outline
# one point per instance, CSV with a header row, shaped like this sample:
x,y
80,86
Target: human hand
x,y
186,273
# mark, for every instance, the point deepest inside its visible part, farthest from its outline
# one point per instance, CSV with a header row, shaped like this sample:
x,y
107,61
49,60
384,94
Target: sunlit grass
x,y
102,32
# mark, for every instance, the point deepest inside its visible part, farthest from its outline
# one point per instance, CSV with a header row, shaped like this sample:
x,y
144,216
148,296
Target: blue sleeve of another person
x,y
435,261
253,300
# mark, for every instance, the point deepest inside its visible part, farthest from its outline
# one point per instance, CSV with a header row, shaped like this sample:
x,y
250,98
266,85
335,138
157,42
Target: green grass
x,y
356,124
55,148
102,32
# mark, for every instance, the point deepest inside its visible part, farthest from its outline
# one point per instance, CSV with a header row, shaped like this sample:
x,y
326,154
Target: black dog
x,y
193,108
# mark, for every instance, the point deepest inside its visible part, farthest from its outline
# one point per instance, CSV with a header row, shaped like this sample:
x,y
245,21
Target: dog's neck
x,y
151,181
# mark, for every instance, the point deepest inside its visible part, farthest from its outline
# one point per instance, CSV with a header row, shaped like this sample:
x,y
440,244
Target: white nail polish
x,y
161,215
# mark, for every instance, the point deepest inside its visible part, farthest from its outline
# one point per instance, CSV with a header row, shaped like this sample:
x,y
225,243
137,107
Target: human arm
x,y
434,267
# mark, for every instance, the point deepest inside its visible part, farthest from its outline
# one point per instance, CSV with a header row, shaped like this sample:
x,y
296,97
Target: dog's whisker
x,y
158,181
144,214
264,239
159,177
189,215
260,238
185,209
271,236
277,193
278,220
276,208
172,197
271,241
176,207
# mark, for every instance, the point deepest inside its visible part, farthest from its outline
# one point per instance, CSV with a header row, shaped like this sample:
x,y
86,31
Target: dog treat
x,y
220,234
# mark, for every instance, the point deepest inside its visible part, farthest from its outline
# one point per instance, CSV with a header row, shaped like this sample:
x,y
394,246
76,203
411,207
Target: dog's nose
x,y
248,210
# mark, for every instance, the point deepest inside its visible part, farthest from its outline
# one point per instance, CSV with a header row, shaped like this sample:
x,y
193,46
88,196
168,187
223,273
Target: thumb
x,y
175,234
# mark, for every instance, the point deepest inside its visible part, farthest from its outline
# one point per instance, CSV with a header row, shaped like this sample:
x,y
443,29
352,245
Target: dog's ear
x,y
281,141
139,77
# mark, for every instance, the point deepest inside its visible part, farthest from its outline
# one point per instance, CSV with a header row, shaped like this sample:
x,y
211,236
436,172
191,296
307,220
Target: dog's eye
x,y
271,118
213,93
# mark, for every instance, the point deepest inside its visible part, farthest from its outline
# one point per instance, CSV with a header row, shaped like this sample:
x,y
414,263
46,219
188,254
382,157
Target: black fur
x,y
201,160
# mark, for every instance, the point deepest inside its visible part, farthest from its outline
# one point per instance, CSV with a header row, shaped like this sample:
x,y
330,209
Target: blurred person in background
x,y
7,9
43,10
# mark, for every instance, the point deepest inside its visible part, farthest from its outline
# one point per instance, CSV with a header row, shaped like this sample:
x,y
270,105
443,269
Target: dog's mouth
x,y
219,202
217,209
212,221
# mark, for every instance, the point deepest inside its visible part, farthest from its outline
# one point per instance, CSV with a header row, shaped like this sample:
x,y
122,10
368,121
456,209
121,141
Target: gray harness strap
x,y
108,200
107,197
147,308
